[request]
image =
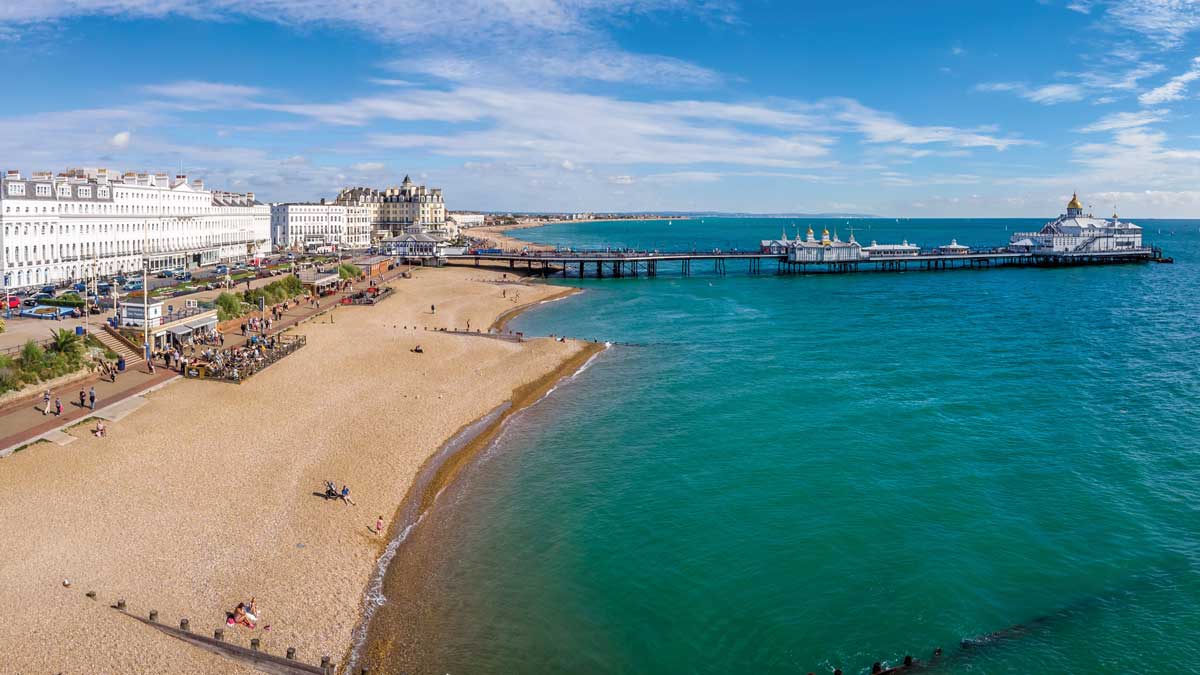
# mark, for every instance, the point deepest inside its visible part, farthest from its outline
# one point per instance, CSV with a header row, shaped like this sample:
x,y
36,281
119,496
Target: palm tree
x,y
64,342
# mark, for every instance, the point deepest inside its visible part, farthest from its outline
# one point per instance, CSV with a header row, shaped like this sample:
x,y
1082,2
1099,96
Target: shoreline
x,y
440,470
505,317
189,546
499,234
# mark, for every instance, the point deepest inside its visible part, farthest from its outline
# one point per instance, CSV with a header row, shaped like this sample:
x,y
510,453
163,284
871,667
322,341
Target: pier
x,y
634,264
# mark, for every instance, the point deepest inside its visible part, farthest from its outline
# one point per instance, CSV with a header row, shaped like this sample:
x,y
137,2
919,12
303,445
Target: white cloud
x,y
120,140
1167,22
1174,89
882,127
1050,94
557,38
193,90
368,167
1126,120
621,180
390,82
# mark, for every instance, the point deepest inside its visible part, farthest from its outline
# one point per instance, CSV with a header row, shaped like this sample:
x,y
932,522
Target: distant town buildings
x,y
58,228
408,209
463,221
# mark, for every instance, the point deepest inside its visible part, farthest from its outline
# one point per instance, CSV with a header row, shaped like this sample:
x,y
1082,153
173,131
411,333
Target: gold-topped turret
x,y
825,236
1074,203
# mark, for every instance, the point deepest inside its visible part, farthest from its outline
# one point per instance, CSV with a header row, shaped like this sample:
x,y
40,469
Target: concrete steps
x,y
131,356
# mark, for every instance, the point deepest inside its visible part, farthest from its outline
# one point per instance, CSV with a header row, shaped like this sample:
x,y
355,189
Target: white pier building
x,y
1074,232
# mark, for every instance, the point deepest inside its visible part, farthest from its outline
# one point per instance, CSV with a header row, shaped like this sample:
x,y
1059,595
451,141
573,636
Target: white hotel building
x,y
60,228
309,227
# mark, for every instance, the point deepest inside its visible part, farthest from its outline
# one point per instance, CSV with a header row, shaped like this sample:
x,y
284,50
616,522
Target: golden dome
x,y
1074,203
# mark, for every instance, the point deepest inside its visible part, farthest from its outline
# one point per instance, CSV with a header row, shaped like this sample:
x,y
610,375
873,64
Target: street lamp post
x,y
146,295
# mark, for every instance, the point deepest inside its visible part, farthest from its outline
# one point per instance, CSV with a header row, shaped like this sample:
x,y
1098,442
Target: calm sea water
x,y
788,474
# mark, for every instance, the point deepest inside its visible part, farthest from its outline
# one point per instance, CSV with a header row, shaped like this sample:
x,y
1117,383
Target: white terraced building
x,y
1076,233
59,228
308,226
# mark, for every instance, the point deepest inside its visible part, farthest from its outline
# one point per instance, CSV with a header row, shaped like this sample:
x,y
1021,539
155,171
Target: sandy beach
x,y
496,235
204,497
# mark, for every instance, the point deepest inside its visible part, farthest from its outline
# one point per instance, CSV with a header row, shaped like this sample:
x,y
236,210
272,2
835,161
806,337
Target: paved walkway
x,y
22,421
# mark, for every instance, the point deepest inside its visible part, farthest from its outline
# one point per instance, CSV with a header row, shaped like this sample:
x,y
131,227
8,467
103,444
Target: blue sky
x,y
923,108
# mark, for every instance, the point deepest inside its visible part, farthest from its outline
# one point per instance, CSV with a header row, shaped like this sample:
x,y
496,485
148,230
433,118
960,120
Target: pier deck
x,y
646,263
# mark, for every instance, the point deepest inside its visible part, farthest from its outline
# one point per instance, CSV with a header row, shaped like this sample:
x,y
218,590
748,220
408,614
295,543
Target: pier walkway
x,y
620,264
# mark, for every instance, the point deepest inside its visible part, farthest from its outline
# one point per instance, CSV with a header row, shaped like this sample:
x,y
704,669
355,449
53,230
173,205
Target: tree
x,y
65,342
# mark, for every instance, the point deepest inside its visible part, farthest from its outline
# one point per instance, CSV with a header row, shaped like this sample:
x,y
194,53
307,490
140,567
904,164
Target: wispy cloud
x,y
1174,89
557,38
1049,94
1125,120
881,127
195,90
1167,22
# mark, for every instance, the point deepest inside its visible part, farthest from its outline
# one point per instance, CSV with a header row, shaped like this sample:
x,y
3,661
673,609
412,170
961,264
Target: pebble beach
x,y
210,493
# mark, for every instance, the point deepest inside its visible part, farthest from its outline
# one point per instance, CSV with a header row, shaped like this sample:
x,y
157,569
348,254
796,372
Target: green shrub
x,y
348,271
229,306
64,300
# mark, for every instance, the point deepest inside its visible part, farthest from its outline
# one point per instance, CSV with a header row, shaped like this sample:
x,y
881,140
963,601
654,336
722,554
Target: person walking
x,y
379,525
82,397
57,407
46,403
92,398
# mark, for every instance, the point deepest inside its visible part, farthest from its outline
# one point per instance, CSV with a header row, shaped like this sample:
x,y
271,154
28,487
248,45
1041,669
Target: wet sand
x,y
204,497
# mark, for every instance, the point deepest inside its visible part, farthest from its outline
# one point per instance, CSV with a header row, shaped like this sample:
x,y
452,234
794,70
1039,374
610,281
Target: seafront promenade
x,y
22,422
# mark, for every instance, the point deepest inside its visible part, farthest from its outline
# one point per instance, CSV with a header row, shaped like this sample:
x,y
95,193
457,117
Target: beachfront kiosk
x,y
319,283
168,324
375,266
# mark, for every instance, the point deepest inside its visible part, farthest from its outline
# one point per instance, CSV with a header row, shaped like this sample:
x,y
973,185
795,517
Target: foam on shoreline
x,y
440,471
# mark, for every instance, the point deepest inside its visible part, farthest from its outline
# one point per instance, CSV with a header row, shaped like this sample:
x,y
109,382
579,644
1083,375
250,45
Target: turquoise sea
x,y
787,474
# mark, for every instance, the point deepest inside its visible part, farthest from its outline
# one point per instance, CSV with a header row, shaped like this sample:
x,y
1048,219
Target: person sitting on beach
x,y
417,350
346,495
100,431
239,616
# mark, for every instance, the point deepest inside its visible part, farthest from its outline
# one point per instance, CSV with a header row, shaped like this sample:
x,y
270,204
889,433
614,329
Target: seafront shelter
x,y
319,283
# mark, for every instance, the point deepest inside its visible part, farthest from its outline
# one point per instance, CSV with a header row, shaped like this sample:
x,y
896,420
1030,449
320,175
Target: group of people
x,y
240,362
256,325
245,614
332,492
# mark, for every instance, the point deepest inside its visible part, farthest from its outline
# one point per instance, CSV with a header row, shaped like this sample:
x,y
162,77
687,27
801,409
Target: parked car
x,y
14,303
104,288
119,280
49,290
80,287
222,269
183,276
30,302
132,286
165,274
